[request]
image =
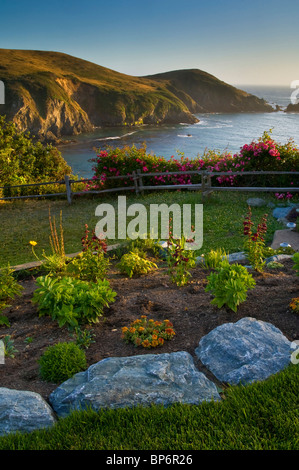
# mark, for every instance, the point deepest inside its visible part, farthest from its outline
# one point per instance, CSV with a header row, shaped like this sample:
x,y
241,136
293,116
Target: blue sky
x,y
254,42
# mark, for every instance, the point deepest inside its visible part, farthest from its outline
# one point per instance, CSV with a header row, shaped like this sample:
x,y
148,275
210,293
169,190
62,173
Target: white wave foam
x,y
117,137
184,135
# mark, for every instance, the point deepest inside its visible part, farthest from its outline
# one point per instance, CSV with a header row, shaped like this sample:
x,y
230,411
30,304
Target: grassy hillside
x,y
209,93
53,94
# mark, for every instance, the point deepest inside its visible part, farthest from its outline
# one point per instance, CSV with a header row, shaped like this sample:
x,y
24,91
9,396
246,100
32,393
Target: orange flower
x,y
169,331
154,337
124,329
161,340
132,330
155,343
146,343
140,329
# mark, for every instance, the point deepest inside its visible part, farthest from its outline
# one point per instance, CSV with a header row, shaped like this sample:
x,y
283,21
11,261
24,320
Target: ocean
x,y
220,132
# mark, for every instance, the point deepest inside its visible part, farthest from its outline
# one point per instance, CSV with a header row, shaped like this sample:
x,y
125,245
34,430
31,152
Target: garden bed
x,y
154,295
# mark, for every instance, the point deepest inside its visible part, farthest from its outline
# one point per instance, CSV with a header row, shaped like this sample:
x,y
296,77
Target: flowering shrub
x,y
148,333
91,264
264,154
179,261
254,242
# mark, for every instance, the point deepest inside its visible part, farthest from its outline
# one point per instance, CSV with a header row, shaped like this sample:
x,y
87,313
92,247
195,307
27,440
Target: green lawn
x,y
259,416
23,221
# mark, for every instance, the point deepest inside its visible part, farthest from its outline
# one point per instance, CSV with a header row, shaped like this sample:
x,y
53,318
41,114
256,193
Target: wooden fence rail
x,y
205,186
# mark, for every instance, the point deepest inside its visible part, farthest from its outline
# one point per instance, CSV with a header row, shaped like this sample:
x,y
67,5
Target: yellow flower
x,y
33,243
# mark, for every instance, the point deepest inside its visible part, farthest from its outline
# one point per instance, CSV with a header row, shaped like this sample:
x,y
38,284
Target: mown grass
x,y
259,416
22,221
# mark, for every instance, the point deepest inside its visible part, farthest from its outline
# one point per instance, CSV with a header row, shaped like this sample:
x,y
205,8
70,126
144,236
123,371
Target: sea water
x,y
218,131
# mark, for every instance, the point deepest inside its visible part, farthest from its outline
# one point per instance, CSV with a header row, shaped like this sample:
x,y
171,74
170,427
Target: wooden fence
x,y
205,186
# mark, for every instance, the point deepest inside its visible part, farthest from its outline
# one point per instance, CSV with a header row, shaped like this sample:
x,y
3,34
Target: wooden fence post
x,y
68,189
140,182
135,182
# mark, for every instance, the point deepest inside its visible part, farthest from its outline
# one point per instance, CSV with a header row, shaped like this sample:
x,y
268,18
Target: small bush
x,y
133,264
229,285
61,361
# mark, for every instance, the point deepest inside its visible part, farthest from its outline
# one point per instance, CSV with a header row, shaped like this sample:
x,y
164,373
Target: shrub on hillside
x,y
23,161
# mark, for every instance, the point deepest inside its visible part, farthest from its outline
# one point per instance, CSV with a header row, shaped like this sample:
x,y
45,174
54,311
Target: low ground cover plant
x,y
148,333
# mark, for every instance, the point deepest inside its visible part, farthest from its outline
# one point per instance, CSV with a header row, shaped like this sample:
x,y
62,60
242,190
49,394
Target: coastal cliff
x,y
52,95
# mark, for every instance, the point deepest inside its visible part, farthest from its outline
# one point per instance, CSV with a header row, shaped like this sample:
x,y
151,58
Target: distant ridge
x,y
52,94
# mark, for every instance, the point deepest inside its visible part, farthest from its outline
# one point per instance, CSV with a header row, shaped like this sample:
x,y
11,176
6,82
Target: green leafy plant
x,y
148,333
70,301
179,261
28,340
61,361
133,264
213,258
9,287
83,338
229,285
274,265
296,263
4,321
254,243
9,348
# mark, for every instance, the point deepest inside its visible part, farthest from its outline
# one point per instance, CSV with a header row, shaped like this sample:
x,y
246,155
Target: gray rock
x,y
23,411
235,257
280,257
147,379
256,202
281,212
243,352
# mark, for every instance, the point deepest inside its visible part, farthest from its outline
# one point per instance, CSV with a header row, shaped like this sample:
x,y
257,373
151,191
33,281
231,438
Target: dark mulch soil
x,y
188,308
